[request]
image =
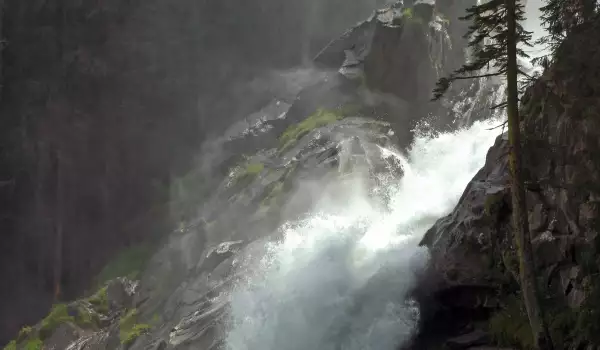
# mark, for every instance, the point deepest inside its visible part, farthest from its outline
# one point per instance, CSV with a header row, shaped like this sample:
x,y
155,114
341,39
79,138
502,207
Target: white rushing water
x,y
339,278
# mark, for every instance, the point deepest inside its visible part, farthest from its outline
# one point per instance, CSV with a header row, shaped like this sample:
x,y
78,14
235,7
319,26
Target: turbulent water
x,y
340,277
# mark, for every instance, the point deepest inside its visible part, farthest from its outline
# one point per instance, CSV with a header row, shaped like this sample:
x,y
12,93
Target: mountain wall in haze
x,y
103,102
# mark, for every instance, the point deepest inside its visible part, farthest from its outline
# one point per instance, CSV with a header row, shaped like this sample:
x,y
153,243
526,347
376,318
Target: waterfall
x,y
312,243
339,277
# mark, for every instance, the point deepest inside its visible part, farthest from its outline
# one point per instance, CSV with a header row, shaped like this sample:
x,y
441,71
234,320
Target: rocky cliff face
x,y
175,305
103,102
473,250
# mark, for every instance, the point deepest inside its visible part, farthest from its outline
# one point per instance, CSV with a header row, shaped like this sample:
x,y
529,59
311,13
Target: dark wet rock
x,y
120,293
356,39
472,247
220,253
400,57
182,292
63,336
477,337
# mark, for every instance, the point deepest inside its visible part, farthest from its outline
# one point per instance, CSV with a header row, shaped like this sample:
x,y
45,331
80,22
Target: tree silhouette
x,y
496,38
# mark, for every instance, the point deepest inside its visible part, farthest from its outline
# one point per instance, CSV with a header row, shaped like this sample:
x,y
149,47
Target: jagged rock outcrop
x,y
105,320
401,51
472,248
184,281
123,92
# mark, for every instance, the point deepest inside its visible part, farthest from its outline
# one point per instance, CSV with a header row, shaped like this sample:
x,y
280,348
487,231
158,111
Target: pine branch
x,y
499,126
499,105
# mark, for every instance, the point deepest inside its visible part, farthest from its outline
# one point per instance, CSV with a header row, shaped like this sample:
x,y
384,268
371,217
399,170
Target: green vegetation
x,y
57,316
100,300
24,333
129,329
11,346
134,333
410,15
86,318
128,263
34,344
255,168
319,119
510,326
273,195
246,173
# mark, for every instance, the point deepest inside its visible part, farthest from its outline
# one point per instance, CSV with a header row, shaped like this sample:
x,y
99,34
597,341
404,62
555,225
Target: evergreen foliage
x,y
487,36
559,18
496,39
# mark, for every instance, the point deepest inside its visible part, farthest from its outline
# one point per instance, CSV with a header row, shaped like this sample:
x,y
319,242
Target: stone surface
x,y
477,337
473,246
182,292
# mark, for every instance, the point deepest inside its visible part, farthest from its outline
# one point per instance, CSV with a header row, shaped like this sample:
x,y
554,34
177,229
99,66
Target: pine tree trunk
x,y
519,206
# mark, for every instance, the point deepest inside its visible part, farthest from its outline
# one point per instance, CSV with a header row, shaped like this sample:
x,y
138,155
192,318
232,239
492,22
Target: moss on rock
x,y
11,346
129,329
24,333
510,326
100,300
33,344
319,119
57,316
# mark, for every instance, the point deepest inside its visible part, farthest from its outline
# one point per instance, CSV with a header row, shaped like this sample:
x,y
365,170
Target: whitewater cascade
x,y
339,278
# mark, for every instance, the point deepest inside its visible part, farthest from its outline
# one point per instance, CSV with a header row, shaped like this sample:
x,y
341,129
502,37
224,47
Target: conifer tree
x,y
559,17
496,38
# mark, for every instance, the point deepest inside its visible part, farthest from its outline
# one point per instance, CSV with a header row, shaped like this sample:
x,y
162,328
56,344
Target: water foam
x,y
339,278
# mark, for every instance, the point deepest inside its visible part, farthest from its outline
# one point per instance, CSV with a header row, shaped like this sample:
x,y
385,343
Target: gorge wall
x,y
474,268
102,103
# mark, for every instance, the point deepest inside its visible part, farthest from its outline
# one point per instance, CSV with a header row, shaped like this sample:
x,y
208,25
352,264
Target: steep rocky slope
x,y
177,303
102,103
473,270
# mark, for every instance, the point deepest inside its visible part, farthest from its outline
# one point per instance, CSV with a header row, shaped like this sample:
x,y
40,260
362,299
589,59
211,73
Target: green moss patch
x,y
246,172
273,195
33,344
86,317
24,333
319,119
57,316
510,326
129,329
11,346
408,14
100,300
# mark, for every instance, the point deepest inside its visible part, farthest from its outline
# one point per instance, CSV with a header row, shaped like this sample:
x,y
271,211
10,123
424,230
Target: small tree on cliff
x,y
495,36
